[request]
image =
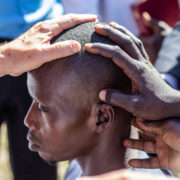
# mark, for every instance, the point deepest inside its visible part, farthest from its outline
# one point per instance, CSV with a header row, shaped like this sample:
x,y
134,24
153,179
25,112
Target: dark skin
x,y
166,144
153,96
153,99
66,121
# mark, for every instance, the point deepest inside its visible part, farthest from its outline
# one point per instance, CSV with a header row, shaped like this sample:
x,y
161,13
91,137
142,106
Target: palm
x,y
168,158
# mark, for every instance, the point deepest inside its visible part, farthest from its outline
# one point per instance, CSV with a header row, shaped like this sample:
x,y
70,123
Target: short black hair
x,y
95,71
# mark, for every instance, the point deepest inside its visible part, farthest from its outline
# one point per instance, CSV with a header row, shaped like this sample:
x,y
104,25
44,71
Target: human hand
x,y
160,30
33,48
153,98
166,146
128,175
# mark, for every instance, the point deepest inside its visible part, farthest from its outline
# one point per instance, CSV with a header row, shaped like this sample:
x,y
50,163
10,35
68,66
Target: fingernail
x,y
76,47
113,23
102,95
88,45
99,26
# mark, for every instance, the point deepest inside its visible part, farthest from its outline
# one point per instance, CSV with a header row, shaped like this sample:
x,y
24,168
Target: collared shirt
x,y
17,16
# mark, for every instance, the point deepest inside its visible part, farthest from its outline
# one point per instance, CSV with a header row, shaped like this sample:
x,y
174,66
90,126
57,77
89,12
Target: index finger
x,y
70,20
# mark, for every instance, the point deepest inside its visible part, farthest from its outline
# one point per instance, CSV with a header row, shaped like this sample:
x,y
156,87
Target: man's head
x,y
67,119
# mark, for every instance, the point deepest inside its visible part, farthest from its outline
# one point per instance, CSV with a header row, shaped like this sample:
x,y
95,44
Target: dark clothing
x,y
169,56
14,104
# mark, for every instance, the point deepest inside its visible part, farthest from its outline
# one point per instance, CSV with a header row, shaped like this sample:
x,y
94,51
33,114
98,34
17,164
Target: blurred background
x,y
152,21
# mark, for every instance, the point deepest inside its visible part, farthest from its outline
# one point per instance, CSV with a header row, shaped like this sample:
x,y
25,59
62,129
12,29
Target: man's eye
x,y
42,108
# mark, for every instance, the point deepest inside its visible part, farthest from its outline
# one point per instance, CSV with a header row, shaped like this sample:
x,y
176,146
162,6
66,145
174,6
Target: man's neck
x,y
103,159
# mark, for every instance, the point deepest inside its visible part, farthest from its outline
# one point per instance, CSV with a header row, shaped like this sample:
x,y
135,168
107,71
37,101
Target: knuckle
x,y
139,42
116,51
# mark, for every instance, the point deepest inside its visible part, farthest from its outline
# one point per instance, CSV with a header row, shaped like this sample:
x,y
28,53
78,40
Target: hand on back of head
x,y
33,48
152,97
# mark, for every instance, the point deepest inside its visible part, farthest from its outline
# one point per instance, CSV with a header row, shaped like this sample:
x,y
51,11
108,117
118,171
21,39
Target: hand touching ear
x,y
153,98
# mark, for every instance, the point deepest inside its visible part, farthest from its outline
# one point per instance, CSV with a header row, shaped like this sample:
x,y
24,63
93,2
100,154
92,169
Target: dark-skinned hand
x,y
166,145
153,98
160,30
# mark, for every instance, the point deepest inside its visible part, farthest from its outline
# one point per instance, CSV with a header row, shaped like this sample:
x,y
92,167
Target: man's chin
x,y
47,158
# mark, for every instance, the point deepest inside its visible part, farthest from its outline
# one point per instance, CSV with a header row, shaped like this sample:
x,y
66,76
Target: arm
x,y
153,98
33,48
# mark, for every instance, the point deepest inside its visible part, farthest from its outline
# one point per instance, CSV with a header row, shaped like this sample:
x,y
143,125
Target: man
x,y
29,51
67,120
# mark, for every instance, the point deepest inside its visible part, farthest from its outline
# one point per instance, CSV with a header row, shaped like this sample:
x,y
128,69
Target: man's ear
x,y
102,117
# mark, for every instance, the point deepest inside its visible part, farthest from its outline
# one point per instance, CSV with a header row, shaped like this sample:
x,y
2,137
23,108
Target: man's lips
x,y
33,144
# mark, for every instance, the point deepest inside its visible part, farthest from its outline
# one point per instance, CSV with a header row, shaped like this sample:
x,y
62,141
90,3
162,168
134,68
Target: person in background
x,y
16,17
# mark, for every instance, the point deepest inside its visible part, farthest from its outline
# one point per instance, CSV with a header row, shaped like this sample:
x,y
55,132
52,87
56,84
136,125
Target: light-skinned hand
x,y
33,48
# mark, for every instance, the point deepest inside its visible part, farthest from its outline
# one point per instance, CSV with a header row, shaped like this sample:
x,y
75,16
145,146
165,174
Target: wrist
x,y
3,60
174,106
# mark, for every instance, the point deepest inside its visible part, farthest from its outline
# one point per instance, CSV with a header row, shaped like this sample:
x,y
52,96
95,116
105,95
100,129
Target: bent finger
x,y
124,41
149,163
119,57
147,146
138,43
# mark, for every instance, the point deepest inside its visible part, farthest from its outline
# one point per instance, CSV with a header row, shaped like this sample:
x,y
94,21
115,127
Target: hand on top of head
x,y
33,48
150,99
166,144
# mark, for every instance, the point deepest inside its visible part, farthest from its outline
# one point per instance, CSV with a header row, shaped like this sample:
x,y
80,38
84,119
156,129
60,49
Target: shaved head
x,y
67,112
91,72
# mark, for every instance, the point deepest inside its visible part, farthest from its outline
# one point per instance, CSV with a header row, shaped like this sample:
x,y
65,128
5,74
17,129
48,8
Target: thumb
x,y
116,98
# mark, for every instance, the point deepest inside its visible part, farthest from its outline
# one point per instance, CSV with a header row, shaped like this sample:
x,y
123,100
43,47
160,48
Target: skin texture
x,y
153,98
166,144
33,48
127,175
67,120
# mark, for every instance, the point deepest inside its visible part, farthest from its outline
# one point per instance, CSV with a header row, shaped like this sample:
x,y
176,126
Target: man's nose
x,y
29,120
